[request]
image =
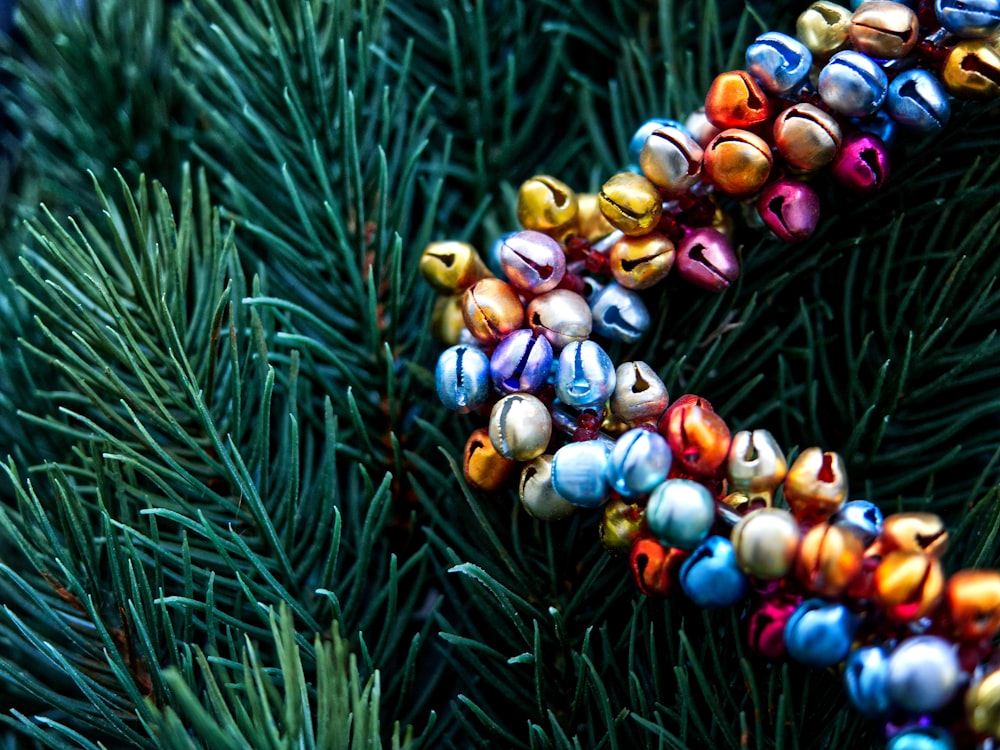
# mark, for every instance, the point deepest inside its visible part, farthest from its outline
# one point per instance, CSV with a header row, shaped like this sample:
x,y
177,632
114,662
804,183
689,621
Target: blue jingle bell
x,y
585,375
853,84
639,462
918,101
970,19
462,377
711,577
866,677
779,62
861,518
619,313
923,673
819,633
680,513
922,738
521,362
578,471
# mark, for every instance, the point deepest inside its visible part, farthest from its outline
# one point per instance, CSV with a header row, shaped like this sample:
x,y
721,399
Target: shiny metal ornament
x,y
816,485
969,19
520,427
710,575
579,471
621,525
462,378
631,203
671,159
737,162
491,310
908,585
591,224
823,29
972,70
705,258
680,513
640,397
914,532
639,462
861,518
866,679
918,101
829,559
972,600
698,437
700,128
561,316
585,375
862,163
765,542
452,267
736,100
853,84
766,628
806,137
482,466
790,209
641,262
778,62
820,633
742,503
447,321
533,262
982,704
521,362
619,314
755,464
638,139
922,738
654,567
538,497
923,674
884,30
547,205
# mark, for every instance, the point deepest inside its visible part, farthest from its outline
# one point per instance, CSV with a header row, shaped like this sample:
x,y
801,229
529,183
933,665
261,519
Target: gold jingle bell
x,y
538,497
482,466
908,585
973,601
829,559
451,267
982,704
824,28
620,526
816,485
806,137
913,532
447,319
765,542
972,70
642,262
631,203
520,427
884,29
547,205
737,162
591,224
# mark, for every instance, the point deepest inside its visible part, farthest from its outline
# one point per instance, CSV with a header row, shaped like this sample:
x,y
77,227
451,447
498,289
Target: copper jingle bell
x,y
642,262
451,267
631,203
491,309
547,205
913,532
654,566
621,525
829,559
908,585
736,100
698,438
482,467
737,162
806,137
884,29
561,316
816,485
972,598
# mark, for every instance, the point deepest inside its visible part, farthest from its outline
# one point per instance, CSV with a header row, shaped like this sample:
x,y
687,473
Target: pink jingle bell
x,y
790,209
706,259
862,163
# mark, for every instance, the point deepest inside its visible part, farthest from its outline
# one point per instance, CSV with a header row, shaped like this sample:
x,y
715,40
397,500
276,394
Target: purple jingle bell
x,y
862,164
522,362
790,209
706,259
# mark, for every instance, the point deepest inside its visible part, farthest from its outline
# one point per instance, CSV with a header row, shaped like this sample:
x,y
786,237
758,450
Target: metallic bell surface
x,y
922,737
642,133
766,629
908,585
640,397
451,267
862,163
482,466
755,463
861,518
621,525
879,124
591,224
823,29
521,362
631,203
520,427
918,101
829,559
698,437
972,600
533,262
790,209
737,162
639,462
710,575
447,320
641,262
806,136
585,375
671,159
736,100
700,128
914,532
462,378
654,566
819,633
619,314
853,84
883,29
680,513
982,704
778,62
969,19
924,674
972,70
538,497
706,258
765,542
816,485
579,471
561,316
866,679
491,309
546,204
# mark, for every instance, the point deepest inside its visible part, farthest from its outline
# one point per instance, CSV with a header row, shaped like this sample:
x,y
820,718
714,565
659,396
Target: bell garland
x,y
828,582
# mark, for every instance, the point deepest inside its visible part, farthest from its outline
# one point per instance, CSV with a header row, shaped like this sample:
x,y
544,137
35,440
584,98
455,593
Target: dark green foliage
x,y
223,437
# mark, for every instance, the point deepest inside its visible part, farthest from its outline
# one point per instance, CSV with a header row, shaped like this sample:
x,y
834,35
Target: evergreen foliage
x,y
227,470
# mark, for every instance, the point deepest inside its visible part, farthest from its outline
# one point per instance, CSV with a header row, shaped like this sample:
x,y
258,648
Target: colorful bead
x,y
923,674
778,62
640,397
462,377
537,495
680,513
520,427
819,633
482,467
578,473
706,259
638,463
585,375
521,362
765,542
630,203
546,204
866,678
533,262
561,316
711,577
